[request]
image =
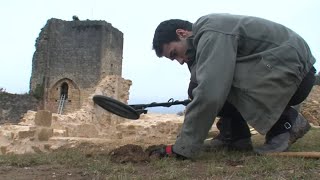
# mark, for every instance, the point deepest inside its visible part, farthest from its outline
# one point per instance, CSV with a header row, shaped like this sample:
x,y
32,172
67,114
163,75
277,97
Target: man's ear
x,y
182,33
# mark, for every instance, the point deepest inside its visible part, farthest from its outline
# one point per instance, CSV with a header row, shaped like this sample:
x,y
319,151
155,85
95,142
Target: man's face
x,y
176,50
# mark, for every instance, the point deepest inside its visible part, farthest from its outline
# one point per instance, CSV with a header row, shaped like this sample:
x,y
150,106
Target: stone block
x,y
7,134
26,134
43,118
87,130
3,150
59,133
47,146
44,133
36,149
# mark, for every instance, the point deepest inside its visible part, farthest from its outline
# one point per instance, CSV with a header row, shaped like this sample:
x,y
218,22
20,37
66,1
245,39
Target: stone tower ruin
x,y
71,57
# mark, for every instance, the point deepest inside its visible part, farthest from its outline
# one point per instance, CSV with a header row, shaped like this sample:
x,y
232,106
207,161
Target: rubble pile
x,y
44,131
311,106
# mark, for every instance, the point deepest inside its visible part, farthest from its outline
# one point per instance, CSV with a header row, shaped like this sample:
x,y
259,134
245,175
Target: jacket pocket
x,y
268,72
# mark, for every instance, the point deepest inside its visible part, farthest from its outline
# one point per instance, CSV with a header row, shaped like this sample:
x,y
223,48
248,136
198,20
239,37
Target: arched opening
x,y
64,94
64,90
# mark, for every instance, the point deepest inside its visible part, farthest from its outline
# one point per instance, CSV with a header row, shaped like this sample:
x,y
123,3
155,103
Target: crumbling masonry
x,y
71,57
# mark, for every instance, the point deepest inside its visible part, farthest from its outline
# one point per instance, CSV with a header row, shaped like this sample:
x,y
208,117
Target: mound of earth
x,y
129,153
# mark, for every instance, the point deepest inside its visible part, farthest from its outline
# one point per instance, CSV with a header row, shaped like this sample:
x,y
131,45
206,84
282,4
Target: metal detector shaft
x,y
165,104
140,108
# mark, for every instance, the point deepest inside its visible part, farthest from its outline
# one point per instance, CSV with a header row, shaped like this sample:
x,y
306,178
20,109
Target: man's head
x,y
170,39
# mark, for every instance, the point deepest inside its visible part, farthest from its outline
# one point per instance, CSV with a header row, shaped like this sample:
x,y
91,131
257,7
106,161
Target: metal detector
x,y
131,111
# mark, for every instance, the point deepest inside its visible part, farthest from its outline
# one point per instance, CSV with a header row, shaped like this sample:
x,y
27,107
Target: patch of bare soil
x,y
44,172
129,153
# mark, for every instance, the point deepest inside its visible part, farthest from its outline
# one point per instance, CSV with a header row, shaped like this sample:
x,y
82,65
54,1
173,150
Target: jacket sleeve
x,y
215,64
192,85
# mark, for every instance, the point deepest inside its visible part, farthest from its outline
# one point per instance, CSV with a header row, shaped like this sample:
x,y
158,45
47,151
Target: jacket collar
x,y
191,52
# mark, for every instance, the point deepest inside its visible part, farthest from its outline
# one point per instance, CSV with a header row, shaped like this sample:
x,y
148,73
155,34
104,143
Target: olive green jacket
x,y
253,63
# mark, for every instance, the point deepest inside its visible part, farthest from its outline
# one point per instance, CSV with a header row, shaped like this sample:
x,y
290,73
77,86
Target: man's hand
x,y
161,151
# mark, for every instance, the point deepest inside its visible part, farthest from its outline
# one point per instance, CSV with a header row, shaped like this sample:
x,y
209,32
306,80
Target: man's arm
x,y
216,58
191,87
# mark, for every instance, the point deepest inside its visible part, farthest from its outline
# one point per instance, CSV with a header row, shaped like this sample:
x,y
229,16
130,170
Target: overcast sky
x,y
153,79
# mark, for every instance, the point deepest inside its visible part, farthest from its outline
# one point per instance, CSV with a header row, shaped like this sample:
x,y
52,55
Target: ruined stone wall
x,y
14,106
91,121
111,53
44,131
79,53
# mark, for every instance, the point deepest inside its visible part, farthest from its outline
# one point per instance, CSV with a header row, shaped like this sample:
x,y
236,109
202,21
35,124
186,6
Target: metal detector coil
x,y
116,107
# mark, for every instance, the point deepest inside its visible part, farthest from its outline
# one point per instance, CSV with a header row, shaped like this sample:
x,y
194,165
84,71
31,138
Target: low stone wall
x,y
13,106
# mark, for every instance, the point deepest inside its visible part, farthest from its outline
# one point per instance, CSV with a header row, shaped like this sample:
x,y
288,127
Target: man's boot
x,y
234,135
290,127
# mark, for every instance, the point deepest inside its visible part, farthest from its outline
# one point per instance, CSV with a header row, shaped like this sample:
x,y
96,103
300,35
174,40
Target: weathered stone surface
x,y
44,133
87,130
311,106
3,150
60,133
28,118
14,106
80,54
37,149
26,134
7,134
43,118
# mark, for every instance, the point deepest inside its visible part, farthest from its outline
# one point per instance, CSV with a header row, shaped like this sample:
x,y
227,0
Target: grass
x,y
216,165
